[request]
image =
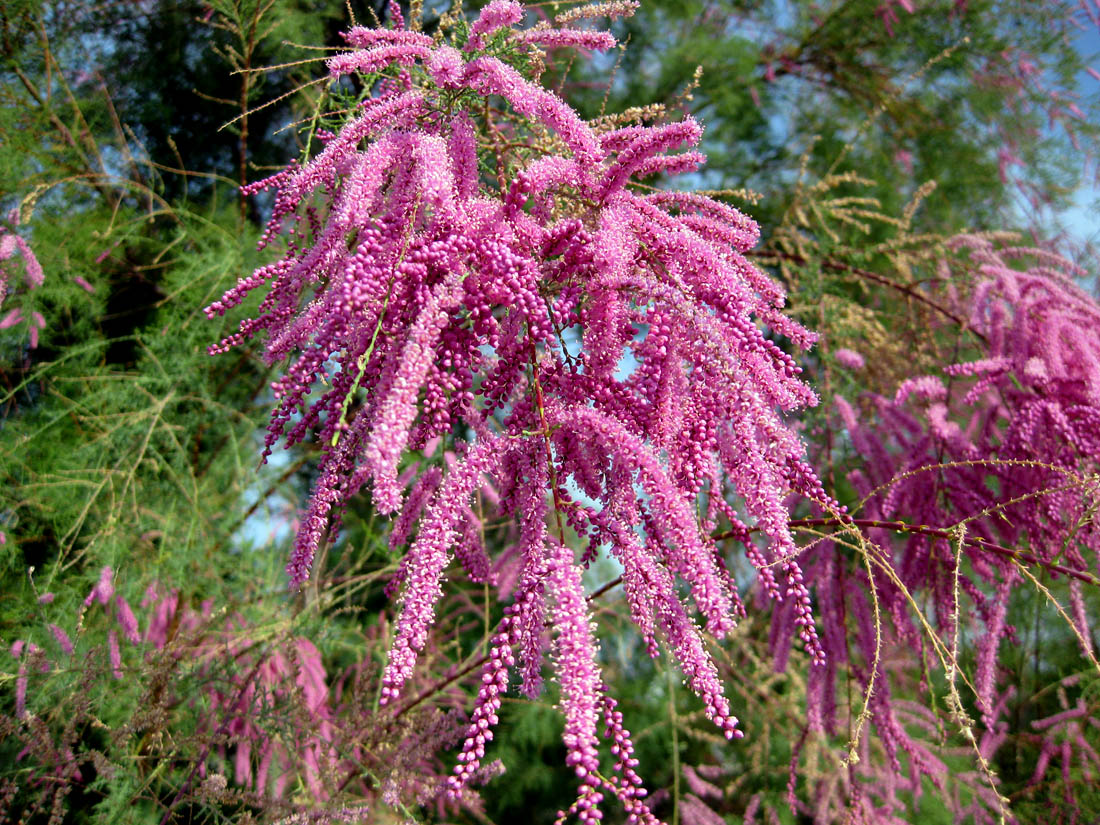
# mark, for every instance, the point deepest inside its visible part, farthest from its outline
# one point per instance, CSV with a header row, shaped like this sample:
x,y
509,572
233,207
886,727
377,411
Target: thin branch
x,y
976,542
866,274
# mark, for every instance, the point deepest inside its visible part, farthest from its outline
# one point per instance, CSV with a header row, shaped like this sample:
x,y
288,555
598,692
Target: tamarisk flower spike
x,y
379,57
496,15
611,9
364,38
575,653
597,41
10,243
427,559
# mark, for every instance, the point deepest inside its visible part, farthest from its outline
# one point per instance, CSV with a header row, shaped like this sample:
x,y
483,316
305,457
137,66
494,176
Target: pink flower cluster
x,y
10,243
1006,445
595,352
235,705
1019,427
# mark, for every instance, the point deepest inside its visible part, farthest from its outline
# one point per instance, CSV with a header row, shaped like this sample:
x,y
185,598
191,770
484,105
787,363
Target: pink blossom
x,y
648,144
62,638
126,620
612,9
37,323
494,682
575,652
364,38
487,75
496,15
446,65
925,387
32,270
390,434
103,589
849,358
597,41
377,58
427,558
114,654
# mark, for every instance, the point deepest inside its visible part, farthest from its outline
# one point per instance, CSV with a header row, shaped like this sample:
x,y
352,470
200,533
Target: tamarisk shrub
x,y
969,480
1006,444
236,706
494,277
228,712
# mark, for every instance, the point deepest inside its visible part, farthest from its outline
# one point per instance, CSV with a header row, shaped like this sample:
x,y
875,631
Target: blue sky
x,y
1083,220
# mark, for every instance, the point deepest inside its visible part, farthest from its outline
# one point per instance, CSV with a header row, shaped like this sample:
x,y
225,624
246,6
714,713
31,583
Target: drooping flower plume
x,y
595,352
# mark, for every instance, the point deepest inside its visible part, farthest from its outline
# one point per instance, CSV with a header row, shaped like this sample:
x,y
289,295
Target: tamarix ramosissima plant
x,y
563,381
168,706
494,277
980,481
